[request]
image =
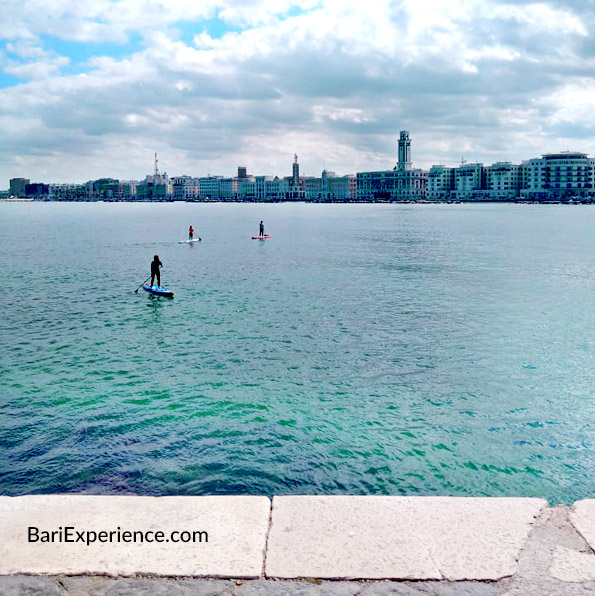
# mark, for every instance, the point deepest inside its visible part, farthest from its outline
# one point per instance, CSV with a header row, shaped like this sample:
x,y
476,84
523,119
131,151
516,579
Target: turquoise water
x,y
363,349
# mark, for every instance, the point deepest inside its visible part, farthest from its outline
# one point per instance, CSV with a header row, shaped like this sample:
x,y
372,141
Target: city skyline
x,y
93,89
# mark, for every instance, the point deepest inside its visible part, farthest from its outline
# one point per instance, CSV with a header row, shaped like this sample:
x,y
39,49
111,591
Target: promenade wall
x,y
291,537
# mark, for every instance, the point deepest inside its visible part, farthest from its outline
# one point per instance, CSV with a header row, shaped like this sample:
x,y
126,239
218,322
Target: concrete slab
x,y
233,545
342,537
582,517
572,566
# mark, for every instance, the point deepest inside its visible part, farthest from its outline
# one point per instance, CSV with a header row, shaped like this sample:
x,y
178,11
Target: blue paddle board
x,y
158,291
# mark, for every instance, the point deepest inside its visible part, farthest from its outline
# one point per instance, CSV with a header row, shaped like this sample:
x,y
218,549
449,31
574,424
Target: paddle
x,y
144,282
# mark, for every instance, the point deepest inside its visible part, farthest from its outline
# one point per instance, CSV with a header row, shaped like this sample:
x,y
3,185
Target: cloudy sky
x,y
92,88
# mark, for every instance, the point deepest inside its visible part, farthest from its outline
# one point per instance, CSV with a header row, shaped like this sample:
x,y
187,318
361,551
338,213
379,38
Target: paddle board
x,y
189,241
158,291
261,237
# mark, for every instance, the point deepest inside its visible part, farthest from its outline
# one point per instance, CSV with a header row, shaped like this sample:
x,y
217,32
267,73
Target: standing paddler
x,y
155,273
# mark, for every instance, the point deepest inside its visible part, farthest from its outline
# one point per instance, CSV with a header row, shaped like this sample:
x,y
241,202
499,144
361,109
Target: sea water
x,y
362,349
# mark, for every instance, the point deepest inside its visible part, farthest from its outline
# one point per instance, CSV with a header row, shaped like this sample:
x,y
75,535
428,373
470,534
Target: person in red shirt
x,y
190,233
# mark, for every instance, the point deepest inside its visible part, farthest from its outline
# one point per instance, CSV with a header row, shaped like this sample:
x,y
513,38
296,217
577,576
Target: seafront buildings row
x,y
554,177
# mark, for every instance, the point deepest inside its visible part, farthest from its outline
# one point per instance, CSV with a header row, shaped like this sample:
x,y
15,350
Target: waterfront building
x,y
184,188
108,189
67,192
330,188
247,189
156,187
245,186
313,188
272,188
402,183
392,185
295,184
337,188
255,188
260,187
469,182
18,187
228,189
218,188
503,181
37,190
276,188
440,183
559,177
208,188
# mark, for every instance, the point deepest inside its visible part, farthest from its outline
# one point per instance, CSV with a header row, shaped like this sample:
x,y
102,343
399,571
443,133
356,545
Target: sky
x,y
93,88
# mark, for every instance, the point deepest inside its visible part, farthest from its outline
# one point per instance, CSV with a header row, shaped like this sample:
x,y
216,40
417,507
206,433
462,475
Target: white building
x,y
559,176
402,183
440,183
330,188
503,180
392,185
185,188
469,182
67,192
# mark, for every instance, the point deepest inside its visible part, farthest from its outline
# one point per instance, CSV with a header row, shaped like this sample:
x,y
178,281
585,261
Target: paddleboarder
x,y
261,228
155,264
190,233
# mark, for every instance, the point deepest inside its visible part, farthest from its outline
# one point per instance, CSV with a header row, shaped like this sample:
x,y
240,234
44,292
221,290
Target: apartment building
x,y
504,181
559,176
440,183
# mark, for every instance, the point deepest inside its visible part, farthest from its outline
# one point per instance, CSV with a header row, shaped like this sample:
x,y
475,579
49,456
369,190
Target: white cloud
x,y
26,59
572,103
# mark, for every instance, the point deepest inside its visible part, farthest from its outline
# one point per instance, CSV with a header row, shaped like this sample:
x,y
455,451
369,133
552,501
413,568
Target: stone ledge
x,y
398,537
236,529
338,537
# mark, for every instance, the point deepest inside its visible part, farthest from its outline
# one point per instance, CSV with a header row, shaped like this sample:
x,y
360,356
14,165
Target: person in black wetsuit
x,y
155,264
261,229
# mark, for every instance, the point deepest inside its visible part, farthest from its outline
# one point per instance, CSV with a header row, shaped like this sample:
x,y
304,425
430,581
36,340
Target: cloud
x,y
330,80
26,59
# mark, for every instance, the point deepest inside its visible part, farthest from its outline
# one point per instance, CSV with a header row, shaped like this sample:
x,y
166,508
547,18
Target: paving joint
x,y
266,540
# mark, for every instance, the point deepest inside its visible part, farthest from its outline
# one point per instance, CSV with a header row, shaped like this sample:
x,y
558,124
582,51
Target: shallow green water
x,y
364,349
